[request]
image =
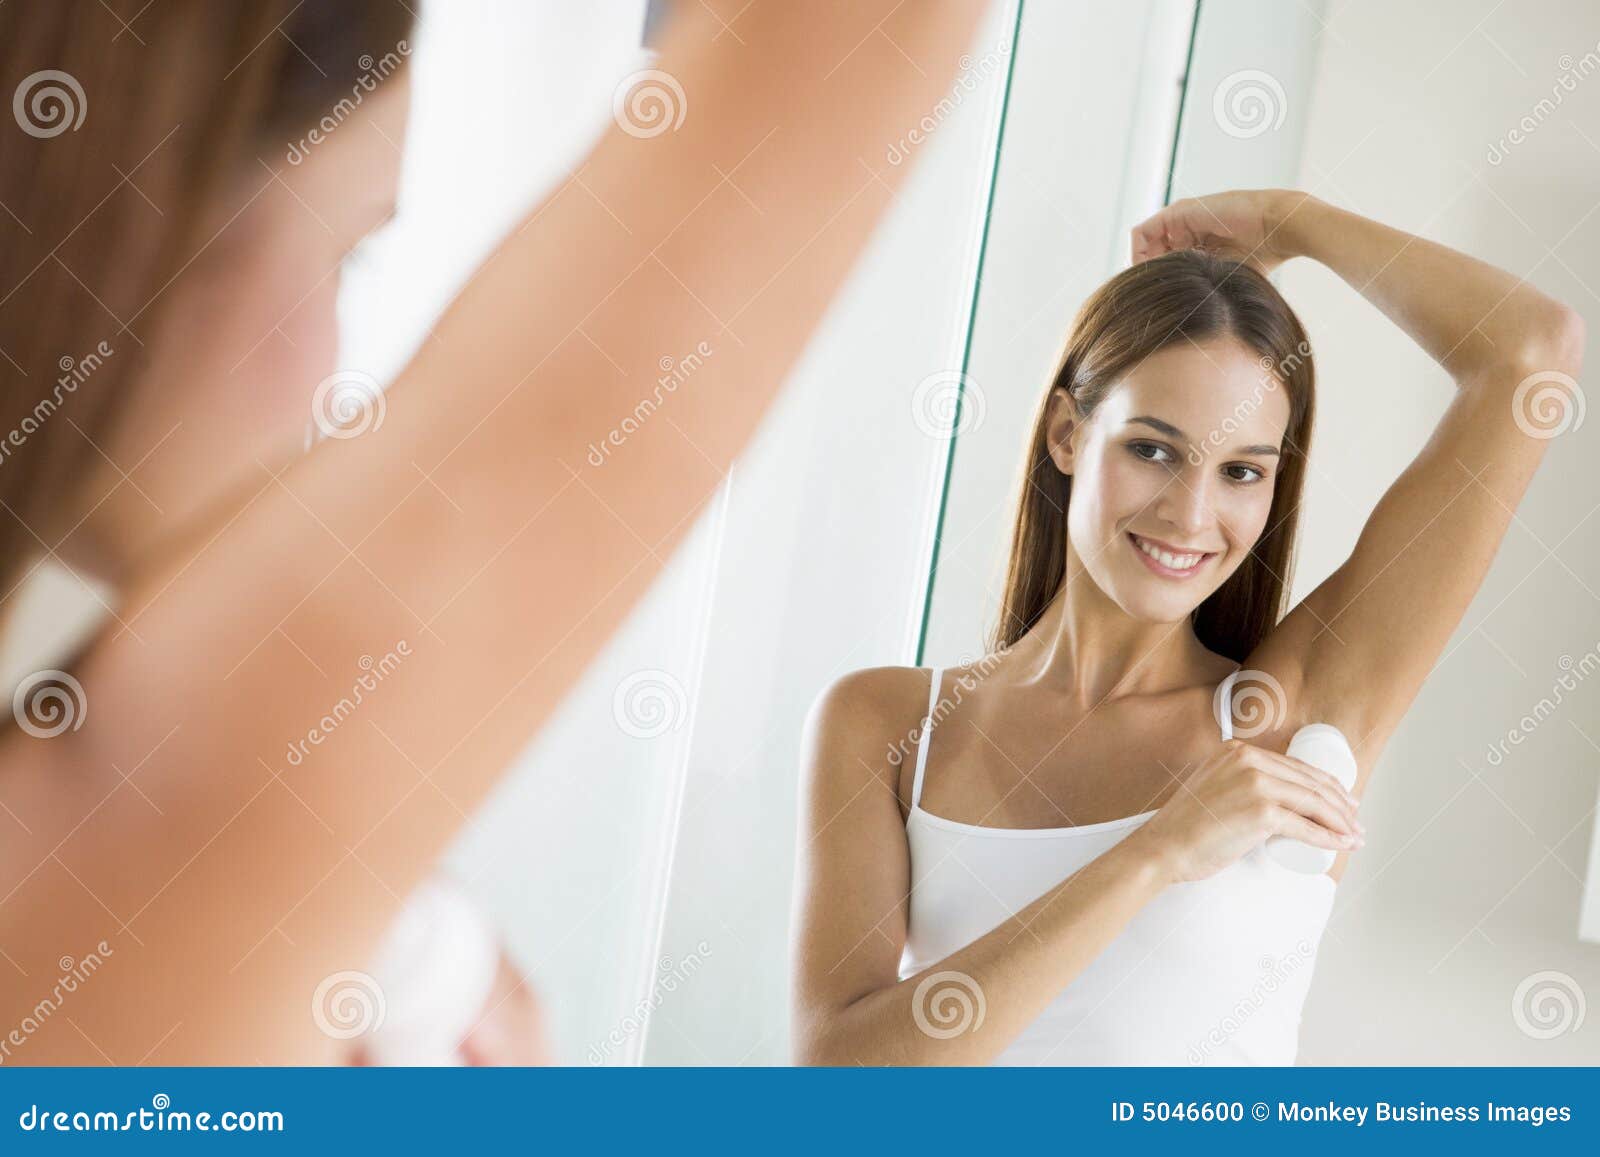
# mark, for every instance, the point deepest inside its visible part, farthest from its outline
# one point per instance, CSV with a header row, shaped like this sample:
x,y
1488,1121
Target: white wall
x,y
1087,148
823,567
1472,878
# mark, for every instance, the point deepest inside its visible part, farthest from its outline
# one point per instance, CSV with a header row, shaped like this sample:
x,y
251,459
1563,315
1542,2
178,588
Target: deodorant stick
x,y
436,968
1324,747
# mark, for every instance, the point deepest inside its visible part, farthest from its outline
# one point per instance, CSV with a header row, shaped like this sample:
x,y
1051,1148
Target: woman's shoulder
x,y
871,696
876,713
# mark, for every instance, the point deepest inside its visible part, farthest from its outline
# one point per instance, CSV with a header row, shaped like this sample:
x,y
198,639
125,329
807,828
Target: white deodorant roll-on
x,y
436,968
1323,746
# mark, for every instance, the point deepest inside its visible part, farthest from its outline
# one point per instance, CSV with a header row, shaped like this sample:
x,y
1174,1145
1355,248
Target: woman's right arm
x,y
472,540
854,882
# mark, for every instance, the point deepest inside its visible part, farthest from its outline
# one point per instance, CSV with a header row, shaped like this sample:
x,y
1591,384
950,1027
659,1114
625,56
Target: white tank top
x,y
1211,972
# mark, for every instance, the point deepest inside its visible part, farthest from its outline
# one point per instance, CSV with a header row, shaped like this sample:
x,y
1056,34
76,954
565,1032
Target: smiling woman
x,y
1124,750
1190,319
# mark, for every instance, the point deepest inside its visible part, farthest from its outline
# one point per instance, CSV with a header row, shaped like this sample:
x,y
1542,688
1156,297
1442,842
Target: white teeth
x,y
1167,558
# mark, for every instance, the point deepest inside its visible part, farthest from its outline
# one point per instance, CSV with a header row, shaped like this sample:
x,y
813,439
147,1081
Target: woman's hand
x,y
1241,223
1239,797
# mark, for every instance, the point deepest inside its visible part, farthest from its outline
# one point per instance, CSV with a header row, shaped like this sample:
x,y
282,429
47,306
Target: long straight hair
x,y
129,124
1186,295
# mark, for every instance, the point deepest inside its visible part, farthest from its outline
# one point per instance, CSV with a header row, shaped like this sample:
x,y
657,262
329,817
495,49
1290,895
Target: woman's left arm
x,y
1366,639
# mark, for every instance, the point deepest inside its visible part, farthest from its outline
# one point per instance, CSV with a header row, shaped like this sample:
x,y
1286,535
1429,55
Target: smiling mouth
x,y
1169,564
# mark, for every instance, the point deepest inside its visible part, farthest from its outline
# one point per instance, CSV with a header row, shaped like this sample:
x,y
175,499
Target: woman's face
x,y
246,332
1181,456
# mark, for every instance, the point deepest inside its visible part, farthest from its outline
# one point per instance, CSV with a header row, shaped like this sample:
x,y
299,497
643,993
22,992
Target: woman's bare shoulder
x,y
867,717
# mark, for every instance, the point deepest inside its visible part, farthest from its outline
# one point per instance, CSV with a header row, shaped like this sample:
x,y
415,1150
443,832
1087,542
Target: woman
x,y
1070,868
188,800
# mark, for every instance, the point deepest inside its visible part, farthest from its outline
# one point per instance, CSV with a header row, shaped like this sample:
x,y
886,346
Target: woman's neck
x,y
1091,650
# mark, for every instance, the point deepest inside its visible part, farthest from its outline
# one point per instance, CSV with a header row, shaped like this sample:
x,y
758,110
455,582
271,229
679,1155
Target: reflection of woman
x,y
1007,894
177,195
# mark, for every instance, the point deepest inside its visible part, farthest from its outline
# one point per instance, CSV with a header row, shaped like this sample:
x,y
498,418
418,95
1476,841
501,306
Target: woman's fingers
x,y
1310,801
1312,777
1296,826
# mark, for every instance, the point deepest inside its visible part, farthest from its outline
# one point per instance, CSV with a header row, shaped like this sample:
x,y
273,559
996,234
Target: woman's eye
x,y
1139,449
1252,474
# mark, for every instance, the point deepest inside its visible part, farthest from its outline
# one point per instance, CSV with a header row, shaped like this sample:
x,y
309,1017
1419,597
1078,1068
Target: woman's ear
x,y
1061,424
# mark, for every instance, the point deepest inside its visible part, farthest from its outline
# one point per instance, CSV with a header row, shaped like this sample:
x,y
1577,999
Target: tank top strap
x,y
922,740
1224,704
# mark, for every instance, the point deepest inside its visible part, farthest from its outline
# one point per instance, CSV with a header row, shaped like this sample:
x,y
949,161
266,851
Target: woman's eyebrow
x,y
1172,431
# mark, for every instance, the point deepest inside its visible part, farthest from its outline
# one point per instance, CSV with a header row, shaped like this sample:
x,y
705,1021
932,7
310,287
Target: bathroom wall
x,y
1455,939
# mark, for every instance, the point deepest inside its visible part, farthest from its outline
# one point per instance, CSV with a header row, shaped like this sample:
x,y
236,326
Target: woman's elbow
x,y
1553,344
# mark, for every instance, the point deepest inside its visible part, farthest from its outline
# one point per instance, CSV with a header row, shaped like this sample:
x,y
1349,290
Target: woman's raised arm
x,y
1356,650
461,563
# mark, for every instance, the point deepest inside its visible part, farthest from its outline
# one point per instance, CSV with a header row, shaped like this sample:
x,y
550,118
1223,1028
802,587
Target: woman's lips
x,y
1160,568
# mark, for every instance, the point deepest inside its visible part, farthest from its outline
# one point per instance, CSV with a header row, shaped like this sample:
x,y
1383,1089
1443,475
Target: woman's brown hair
x,y
1187,295
128,122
